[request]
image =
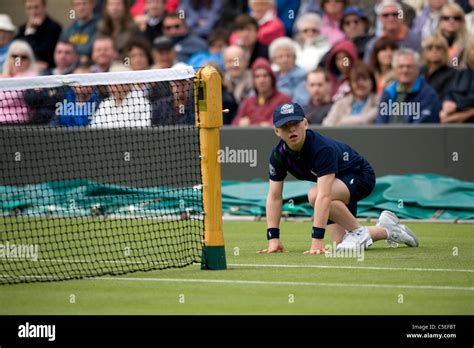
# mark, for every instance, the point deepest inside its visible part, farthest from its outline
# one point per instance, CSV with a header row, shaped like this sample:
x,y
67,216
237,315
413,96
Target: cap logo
x,y
287,109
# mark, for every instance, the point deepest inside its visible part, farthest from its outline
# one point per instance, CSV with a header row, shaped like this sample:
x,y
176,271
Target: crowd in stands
x,y
346,62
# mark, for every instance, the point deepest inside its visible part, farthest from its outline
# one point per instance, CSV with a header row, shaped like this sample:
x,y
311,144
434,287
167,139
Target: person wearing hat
x,y
343,178
355,24
164,54
7,30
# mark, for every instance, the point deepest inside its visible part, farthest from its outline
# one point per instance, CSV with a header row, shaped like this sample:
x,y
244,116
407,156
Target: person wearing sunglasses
x,y
391,15
355,25
20,62
452,27
185,43
436,70
310,46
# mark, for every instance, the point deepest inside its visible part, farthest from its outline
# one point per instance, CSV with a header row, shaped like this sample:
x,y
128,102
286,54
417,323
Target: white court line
x,y
401,269
355,267
262,282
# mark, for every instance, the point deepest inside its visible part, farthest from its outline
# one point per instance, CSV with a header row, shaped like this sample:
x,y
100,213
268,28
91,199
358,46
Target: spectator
x,y
171,102
270,27
228,101
201,15
452,27
230,10
164,54
117,23
361,105
83,30
426,23
332,10
381,61
7,30
65,59
435,65
217,42
237,78
408,99
458,106
407,13
390,14
20,61
318,84
258,109
186,44
138,52
356,26
469,18
140,6
103,54
339,62
290,77
125,107
311,45
150,23
40,31
246,36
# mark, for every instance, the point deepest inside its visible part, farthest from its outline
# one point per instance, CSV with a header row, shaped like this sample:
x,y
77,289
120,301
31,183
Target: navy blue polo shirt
x,y
319,156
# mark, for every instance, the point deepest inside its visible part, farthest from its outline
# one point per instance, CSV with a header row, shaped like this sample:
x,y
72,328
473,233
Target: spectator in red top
x,y
258,109
270,27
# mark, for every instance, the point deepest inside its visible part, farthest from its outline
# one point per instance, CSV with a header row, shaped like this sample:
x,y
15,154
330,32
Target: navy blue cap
x,y
353,10
286,113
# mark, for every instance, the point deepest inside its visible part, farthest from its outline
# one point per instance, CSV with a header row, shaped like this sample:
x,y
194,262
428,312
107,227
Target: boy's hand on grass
x,y
317,247
274,246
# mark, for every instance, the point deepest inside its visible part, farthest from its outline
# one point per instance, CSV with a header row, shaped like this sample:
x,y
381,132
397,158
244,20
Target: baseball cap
x,y
6,23
286,113
163,43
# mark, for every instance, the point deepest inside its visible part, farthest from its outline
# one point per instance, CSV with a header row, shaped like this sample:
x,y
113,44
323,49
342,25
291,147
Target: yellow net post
x,y
208,94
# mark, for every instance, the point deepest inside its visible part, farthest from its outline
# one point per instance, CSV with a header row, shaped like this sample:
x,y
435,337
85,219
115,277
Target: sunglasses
x,y
169,27
16,56
389,14
355,21
436,47
310,30
454,18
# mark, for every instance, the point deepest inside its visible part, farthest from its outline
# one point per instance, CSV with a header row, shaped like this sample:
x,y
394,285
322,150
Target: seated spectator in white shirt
x,y
311,45
125,107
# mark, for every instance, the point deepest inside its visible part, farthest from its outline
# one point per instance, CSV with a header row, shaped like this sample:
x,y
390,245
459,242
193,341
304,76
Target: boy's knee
x,y
312,195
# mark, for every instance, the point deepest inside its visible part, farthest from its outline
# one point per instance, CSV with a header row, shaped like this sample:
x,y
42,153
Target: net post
x,y
208,94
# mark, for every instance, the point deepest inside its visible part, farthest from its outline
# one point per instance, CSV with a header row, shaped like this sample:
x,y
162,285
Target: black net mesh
x,y
98,179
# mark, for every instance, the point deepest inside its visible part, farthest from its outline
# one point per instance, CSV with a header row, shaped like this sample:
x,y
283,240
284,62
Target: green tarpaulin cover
x,y
417,196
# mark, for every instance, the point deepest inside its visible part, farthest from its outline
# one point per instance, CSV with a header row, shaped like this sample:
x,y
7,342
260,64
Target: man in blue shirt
x,y
344,177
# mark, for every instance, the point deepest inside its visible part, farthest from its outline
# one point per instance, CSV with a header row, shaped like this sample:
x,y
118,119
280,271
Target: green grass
x,y
278,290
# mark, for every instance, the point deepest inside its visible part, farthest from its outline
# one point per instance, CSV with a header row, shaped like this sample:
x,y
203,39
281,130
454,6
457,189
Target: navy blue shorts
x,y
360,183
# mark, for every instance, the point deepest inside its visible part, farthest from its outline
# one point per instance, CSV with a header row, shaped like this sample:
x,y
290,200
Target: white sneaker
x,y
356,240
397,233
401,234
387,218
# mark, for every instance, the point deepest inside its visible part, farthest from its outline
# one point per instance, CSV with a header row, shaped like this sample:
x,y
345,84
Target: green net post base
x,y
213,258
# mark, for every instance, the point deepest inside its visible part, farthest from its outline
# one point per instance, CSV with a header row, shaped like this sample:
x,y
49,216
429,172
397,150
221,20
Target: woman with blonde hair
x,y
452,26
458,106
20,60
435,58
